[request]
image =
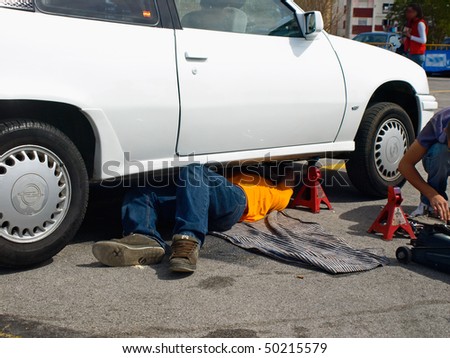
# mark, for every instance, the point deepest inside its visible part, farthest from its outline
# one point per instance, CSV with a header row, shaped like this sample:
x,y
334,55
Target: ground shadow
x,y
15,326
364,217
339,189
103,216
161,270
423,270
11,271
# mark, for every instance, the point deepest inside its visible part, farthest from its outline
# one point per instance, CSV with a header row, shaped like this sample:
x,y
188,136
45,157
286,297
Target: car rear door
x,y
114,60
248,79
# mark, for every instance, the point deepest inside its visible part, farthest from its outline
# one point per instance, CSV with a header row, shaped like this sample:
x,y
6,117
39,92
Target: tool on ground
x,y
311,193
392,218
432,246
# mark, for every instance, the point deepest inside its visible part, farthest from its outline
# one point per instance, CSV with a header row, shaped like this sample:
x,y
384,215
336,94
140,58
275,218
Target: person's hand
x,y
440,206
407,32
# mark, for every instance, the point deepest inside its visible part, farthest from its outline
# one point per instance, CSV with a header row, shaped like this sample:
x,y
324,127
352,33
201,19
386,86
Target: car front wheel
x,y
385,133
44,192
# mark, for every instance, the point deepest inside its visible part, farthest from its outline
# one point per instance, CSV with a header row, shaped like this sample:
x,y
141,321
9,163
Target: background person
x,y
432,146
416,34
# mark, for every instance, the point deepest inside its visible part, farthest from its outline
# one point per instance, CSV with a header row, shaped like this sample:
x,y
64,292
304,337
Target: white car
x,y
92,90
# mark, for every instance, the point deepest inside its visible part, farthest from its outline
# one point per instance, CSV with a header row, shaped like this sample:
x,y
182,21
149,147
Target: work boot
x,y
184,256
135,249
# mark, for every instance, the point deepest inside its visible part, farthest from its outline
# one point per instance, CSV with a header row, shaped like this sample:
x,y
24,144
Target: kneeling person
x,y
432,147
202,201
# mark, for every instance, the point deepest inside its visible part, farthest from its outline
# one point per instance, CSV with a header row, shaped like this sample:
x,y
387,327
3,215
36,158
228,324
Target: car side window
x,y
142,12
258,17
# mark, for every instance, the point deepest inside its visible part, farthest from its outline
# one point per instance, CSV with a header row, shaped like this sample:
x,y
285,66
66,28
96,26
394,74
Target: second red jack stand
x,y
311,194
392,217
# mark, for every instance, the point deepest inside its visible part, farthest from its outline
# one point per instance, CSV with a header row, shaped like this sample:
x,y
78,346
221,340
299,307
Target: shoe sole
x,y
116,254
182,267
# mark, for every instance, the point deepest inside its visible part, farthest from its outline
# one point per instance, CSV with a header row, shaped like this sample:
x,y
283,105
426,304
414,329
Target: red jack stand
x,y
392,217
311,194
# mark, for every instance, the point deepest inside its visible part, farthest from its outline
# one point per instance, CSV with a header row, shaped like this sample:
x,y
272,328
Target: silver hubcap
x,y
35,193
391,144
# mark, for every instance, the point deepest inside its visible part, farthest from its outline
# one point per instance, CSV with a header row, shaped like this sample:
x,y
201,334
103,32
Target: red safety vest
x,y
413,47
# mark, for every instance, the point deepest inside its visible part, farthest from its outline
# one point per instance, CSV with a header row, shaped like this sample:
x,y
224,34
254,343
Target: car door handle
x,y
195,56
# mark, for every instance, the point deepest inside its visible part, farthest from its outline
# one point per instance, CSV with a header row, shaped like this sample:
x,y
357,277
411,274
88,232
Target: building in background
x,y
365,16
332,13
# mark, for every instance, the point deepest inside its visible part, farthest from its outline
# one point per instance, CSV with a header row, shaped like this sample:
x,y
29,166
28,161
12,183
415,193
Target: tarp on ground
x,y
289,239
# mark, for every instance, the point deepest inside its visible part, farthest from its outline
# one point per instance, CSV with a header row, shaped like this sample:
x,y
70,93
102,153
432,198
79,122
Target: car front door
x,y
248,80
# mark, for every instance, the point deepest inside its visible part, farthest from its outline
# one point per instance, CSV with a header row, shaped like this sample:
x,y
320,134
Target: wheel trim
x,y
391,143
35,196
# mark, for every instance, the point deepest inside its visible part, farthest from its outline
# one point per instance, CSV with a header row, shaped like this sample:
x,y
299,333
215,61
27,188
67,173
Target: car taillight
x,y
18,4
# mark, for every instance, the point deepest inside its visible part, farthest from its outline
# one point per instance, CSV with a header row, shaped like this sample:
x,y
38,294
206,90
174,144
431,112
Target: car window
x,y
377,38
127,11
371,38
259,17
359,38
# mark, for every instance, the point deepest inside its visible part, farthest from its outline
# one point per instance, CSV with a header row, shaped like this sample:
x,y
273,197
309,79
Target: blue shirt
x,y
435,130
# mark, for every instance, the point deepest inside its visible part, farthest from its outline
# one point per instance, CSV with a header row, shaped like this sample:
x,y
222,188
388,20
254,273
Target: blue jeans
x,y
437,164
419,59
201,201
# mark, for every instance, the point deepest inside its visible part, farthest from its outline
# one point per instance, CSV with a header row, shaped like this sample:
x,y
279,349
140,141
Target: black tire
x,y
31,193
385,133
403,255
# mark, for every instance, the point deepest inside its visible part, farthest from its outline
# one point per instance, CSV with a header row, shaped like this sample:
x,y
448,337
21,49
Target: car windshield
x,y
371,38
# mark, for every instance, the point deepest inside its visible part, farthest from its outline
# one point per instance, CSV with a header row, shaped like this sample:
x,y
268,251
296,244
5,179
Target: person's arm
x,y
422,38
408,168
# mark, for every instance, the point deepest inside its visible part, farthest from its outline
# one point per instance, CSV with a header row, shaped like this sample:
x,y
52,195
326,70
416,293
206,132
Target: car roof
x,y
378,33
371,36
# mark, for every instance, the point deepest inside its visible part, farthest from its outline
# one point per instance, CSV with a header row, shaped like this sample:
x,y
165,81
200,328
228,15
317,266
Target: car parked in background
x,y
387,40
105,89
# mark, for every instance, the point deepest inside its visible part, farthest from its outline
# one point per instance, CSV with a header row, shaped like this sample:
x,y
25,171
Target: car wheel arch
x,y
402,94
68,118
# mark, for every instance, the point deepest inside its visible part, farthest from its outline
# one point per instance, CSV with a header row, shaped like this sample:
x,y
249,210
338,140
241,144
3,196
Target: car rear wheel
x,y
44,192
385,134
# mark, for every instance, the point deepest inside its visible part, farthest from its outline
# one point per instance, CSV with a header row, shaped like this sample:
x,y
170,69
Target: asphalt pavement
x,y
234,293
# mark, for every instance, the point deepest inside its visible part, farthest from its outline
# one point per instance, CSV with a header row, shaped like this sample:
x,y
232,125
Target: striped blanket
x,y
286,238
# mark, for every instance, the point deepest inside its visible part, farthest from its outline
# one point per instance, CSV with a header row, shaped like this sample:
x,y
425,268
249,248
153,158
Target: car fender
x,y
366,68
